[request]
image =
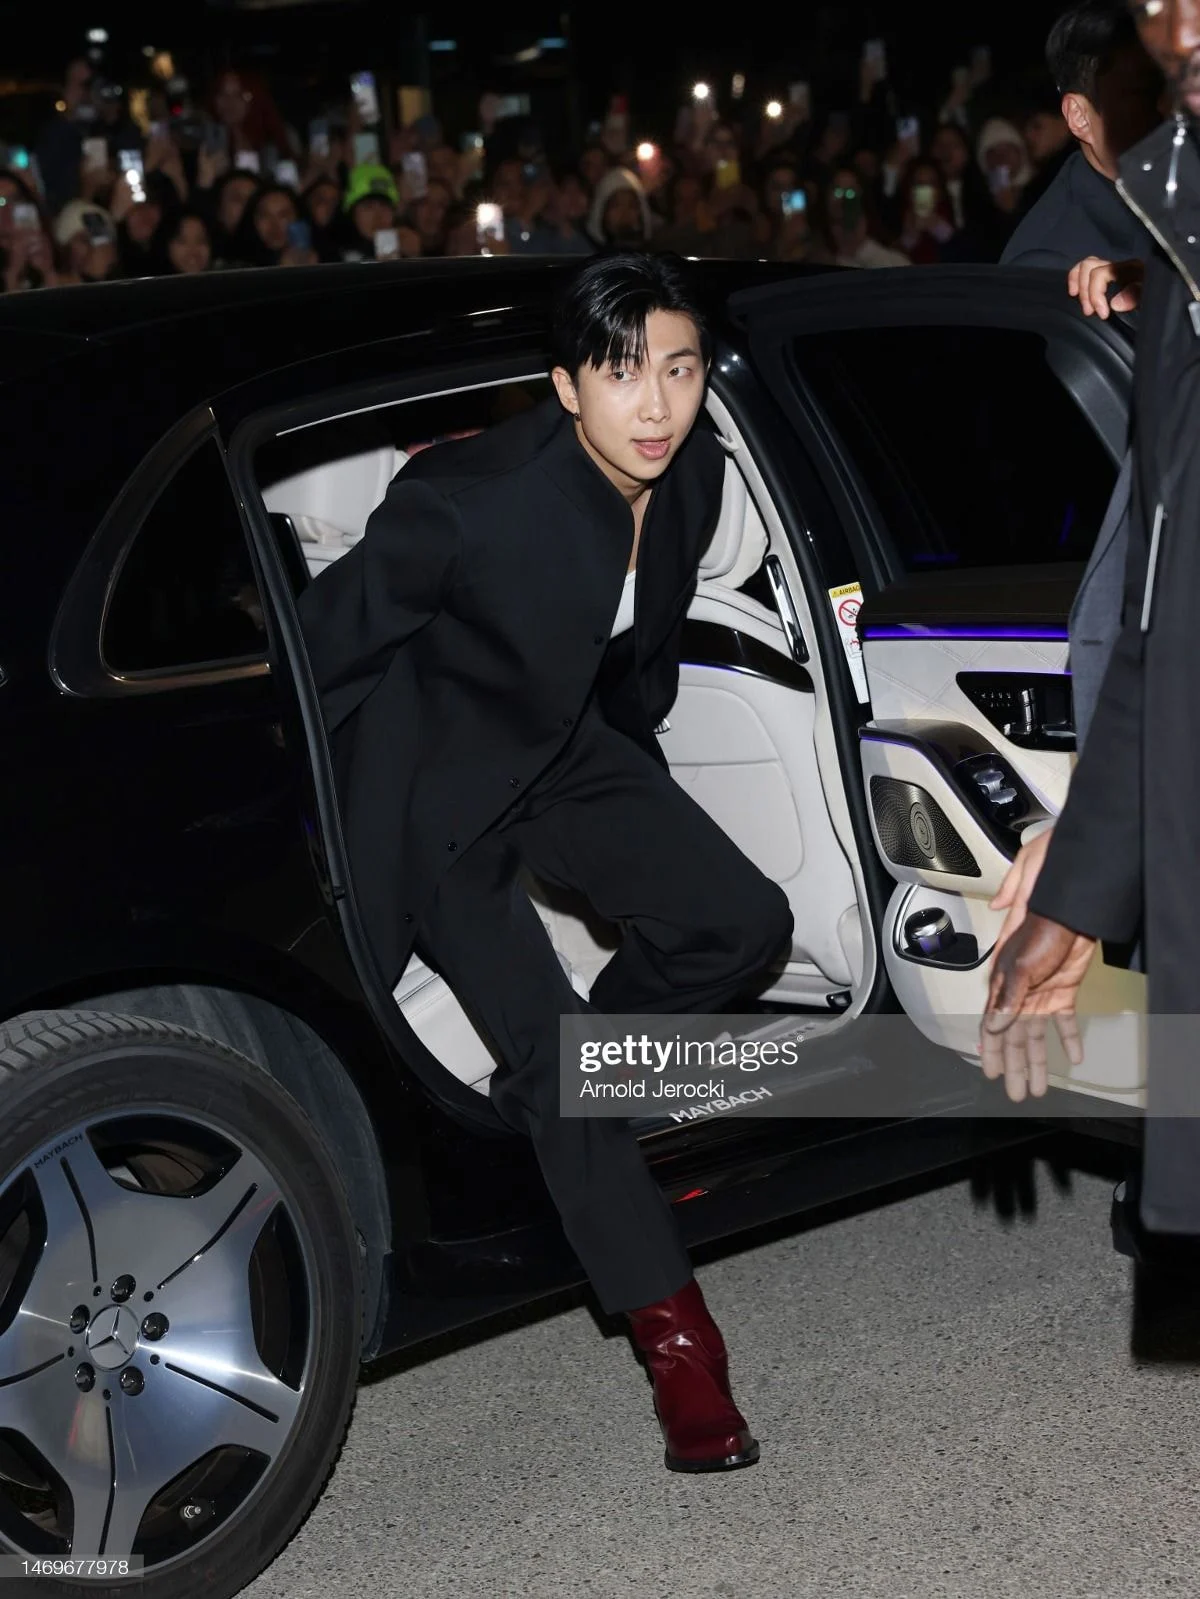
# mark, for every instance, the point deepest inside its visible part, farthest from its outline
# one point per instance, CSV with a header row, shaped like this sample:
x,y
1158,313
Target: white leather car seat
x,y
329,504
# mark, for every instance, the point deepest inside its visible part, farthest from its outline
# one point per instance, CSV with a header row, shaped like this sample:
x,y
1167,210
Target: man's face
x,y
632,420
1127,100
1170,31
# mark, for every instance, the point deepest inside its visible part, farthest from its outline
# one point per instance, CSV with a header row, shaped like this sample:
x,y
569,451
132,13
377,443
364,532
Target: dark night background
x,y
648,52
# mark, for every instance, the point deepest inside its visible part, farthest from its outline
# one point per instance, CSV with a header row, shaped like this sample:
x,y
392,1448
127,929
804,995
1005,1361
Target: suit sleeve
x,y
372,600
1091,880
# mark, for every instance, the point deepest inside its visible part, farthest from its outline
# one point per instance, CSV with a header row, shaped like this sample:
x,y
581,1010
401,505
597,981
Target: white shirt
x,y
624,617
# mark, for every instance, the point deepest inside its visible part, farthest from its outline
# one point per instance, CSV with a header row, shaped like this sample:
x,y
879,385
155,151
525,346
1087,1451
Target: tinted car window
x,y
186,594
975,453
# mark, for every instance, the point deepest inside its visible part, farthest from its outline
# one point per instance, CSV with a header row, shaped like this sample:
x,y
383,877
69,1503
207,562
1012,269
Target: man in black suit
x,y
1110,92
1124,860
493,659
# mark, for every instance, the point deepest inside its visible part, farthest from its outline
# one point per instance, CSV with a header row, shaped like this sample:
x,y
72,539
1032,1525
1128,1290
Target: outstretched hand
x,y
1035,978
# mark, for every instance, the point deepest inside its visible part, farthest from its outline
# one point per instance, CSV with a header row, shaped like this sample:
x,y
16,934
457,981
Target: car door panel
x,y
912,680
970,514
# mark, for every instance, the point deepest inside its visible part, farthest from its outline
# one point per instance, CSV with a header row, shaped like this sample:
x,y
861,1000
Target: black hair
x,y
600,314
1083,42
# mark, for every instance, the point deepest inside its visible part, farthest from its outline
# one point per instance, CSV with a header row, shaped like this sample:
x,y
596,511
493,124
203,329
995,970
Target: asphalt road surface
x,y
950,1401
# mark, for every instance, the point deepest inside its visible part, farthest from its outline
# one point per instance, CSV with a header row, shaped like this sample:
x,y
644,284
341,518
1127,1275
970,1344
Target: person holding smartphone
x,y
30,258
87,237
851,226
1000,151
927,233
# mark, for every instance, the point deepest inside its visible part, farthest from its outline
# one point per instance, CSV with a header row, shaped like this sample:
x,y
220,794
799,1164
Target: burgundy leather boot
x,y
703,1428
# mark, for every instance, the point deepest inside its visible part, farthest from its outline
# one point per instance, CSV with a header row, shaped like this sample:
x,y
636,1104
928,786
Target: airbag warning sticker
x,y
847,602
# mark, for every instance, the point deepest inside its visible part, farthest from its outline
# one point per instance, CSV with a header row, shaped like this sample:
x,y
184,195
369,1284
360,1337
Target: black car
x,y
233,1163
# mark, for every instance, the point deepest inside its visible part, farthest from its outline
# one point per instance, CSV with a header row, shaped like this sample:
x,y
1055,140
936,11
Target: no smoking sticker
x,y
847,603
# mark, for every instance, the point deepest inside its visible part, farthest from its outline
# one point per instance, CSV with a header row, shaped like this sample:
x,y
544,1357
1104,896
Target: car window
x,y
186,595
973,450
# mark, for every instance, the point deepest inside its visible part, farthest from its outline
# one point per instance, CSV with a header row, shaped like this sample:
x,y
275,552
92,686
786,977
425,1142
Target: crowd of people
x,y
233,184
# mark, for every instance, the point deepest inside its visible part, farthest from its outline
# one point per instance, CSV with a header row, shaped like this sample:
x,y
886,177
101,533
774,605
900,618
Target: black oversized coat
x,y
454,646
1124,860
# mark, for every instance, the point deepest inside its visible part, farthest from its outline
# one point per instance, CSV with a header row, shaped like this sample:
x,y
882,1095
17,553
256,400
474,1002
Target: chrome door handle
x,y
786,610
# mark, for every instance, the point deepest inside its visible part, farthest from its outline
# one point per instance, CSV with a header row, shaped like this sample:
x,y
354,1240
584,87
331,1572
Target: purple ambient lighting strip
x,y
913,630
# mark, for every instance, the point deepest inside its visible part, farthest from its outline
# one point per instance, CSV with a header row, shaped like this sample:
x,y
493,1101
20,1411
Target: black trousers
x,y
700,922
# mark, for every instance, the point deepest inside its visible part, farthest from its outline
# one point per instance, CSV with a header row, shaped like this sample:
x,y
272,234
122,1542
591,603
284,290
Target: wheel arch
x,y
291,1051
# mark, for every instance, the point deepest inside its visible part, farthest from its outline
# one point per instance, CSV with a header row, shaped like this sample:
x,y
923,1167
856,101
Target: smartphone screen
x,y
489,222
318,137
366,96
416,173
387,242
299,235
25,215
471,143
247,161
131,161
288,173
908,128
366,149
800,95
794,201
924,199
97,228
728,174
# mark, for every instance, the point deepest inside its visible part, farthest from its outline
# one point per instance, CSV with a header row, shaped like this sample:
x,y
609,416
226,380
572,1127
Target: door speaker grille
x,y
915,831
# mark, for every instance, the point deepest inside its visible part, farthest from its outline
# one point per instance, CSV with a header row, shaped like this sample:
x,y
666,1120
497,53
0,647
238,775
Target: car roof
x,y
38,328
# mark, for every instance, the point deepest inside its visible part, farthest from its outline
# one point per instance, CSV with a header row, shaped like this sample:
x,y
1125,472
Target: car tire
x,y
233,1325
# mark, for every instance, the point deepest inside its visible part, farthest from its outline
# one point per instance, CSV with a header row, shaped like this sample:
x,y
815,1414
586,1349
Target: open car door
x,y
969,424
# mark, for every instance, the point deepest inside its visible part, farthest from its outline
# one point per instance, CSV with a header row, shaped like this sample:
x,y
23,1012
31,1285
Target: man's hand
x,y
1089,281
1017,886
1037,975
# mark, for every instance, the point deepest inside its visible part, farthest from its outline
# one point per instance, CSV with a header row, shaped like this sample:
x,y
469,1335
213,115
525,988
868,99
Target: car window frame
x,y
1093,361
1062,363
75,651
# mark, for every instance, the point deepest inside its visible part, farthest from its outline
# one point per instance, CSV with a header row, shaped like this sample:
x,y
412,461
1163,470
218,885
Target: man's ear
x,y
565,389
1080,114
